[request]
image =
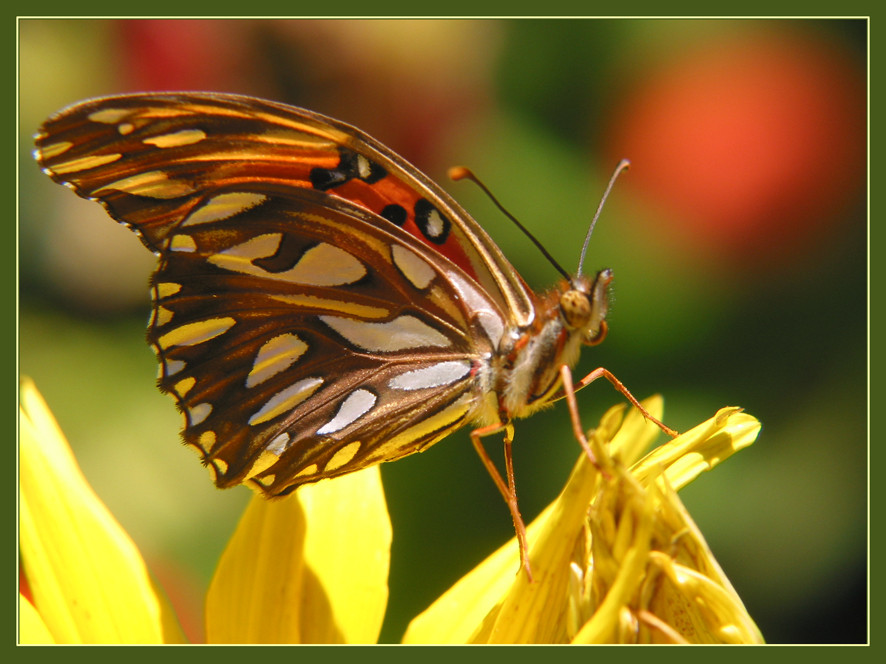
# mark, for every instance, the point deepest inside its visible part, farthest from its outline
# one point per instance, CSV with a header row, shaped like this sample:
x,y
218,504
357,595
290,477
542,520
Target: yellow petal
x,y
32,629
703,610
637,433
653,577
89,582
467,612
459,612
308,568
348,547
699,449
254,596
634,537
493,602
530,612
696,598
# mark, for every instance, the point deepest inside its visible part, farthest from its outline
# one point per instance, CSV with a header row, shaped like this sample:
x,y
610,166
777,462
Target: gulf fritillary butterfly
x,y
320,305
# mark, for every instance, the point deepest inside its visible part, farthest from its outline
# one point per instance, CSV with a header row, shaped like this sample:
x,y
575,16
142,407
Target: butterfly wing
x,y
303,335
307,342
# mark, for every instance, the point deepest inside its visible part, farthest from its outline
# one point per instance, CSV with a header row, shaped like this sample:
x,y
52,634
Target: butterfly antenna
x,y
623,165
462,173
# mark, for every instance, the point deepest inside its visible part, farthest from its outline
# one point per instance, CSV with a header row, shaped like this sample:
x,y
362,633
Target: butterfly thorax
x,y
527,368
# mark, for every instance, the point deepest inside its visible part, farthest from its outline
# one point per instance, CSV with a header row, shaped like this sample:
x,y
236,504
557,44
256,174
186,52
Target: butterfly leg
x,y
618,385
577,429
508,490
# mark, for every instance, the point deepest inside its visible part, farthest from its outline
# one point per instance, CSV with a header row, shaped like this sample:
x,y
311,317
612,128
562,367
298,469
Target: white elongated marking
x,y
151,184
199,413
442,373
285,400
192,334
486,313
85,163
173,367
429,428
492,324
224,206
274,356
279,444
175,139
402,333
326,265
239,257
415,269
342,456
355,405
364,168
321,265
435,225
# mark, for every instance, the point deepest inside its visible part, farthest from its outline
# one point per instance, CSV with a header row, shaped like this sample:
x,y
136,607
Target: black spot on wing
x,y
394,213
351,166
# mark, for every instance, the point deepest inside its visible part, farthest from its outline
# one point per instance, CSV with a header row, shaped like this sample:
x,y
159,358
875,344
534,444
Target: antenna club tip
x,y
623,165
459,173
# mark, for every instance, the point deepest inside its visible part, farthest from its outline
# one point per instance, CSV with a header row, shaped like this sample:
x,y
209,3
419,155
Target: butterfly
x,y
320,305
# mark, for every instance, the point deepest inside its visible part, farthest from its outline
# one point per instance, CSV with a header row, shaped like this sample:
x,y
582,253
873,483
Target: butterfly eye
x,y
575,307
602,331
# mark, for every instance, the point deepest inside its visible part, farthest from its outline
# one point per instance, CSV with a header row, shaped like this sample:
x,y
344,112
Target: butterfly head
x,y
584,306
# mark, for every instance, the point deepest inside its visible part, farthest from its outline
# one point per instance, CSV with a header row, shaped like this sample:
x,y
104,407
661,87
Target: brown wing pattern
x,y
302,334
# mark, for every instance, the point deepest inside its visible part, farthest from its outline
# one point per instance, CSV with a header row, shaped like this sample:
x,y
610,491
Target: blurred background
x,y
738,241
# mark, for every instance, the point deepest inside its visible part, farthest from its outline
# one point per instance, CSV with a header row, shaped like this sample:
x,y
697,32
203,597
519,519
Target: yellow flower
x,y
615,557
309,568
88,581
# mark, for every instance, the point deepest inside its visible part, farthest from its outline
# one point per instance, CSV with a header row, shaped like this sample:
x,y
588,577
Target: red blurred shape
x,y
751,148
186,54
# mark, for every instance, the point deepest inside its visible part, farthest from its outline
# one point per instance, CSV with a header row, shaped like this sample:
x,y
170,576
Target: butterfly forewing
x,y
152,158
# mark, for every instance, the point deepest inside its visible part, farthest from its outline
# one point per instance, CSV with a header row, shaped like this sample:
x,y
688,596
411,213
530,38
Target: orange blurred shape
x,y
749,147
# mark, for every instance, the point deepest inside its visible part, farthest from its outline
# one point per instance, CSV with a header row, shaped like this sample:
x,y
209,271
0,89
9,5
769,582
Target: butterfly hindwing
x,y
262,299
